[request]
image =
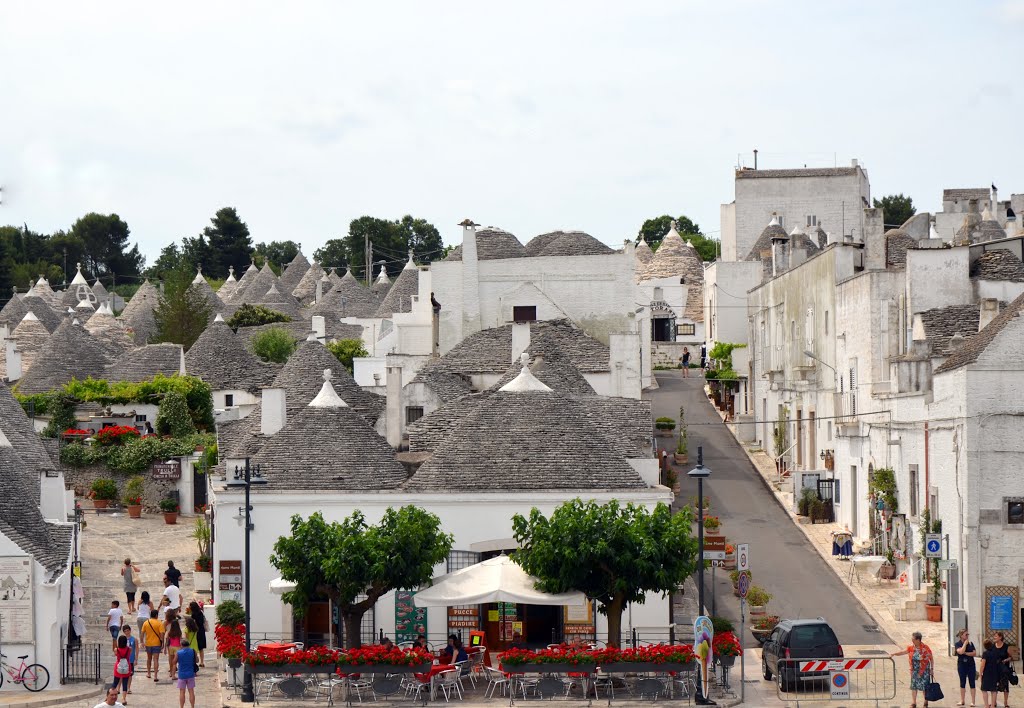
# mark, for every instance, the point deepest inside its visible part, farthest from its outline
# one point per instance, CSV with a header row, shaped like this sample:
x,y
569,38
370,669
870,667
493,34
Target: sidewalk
x,y
18,697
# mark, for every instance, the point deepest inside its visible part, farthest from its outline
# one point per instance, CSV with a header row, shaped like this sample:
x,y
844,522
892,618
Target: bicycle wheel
x,y
36,677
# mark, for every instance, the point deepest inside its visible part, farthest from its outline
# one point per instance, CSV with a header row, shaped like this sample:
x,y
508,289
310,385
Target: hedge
x,y
133,456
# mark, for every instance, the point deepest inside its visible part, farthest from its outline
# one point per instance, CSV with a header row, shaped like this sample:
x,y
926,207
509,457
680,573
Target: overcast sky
x,y
531,116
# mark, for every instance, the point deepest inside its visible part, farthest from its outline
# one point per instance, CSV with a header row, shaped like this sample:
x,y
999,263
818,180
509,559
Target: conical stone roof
x,y
675,258
492,243
228,288
17,307
251,272
30,335
278,301
84,311
293,273
305,291
567,243
220,358
100,291
77,290
350,298
763,245
998,264
20,519
69,353
643,254
144,363
137,316
18,429
328,446
300,387
399,297
382,284
256,287
104,327
42,289
202,286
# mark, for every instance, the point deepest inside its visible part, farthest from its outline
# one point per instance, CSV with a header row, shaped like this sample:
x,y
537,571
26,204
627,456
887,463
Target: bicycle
x,y
34,677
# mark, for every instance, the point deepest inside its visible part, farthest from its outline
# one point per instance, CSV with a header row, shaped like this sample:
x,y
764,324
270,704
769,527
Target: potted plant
x,y
665,426
888,569
681,455
695,503
726,647
170,508
672,479
763,626
807,497
104,491
712,524
201,535
730,556
933,605
132,499
758,598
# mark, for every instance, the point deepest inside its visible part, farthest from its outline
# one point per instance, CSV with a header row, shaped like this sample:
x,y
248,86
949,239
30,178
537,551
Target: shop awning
x,y
496,579
280,586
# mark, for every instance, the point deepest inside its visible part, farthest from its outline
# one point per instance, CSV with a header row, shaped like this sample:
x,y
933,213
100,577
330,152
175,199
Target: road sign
x,y
742,556
714,548
715,556
950,564
839,684
933,545
743,583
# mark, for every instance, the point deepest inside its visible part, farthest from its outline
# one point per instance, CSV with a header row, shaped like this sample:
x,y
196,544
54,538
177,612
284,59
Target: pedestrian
x,y
703,356
196,613
110,700
128,572
144,608
122,667
114,617
686,362
1003,653
965,667
173,574
165,606
133,645
991,672
172,593
921,666
186,662
173,644
153,640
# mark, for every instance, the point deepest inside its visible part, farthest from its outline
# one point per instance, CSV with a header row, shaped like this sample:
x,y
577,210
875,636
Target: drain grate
x,y
872,628
874,652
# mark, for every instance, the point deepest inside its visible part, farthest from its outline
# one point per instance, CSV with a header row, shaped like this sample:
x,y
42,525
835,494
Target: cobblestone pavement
x,y
107,540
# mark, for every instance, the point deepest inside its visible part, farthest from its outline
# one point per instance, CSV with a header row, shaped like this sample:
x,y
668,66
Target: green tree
x,y
225,242
173,417
6,271
279,253
255,315
105,240
422,237
613,554
346,350
654,230
896,209
275,344
333,254
391,242
342,561
170,259
181,313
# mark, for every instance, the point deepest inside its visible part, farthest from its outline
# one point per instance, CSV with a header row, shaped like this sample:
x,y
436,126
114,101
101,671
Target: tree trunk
x,y
353,625
614,610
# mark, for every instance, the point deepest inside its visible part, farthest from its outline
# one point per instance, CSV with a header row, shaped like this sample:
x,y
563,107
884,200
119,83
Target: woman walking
x,y
686,362
173,643
153,640
921,666
128,572
991,671
122,667
965,653
196,613
145,608
1003,654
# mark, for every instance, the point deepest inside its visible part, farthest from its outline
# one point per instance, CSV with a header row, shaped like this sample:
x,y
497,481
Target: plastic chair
x,y
449,683
495,679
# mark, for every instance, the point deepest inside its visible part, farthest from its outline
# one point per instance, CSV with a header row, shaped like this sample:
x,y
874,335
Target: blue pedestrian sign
x,y
933,546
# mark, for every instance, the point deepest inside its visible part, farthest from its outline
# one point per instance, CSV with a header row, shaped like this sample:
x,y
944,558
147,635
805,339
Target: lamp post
x,y
835,374
700,473
245,478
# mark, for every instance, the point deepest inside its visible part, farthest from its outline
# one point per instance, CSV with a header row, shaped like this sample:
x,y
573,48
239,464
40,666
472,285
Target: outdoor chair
x,y
495,679
465,669
325,685
448,683
359,685
684,679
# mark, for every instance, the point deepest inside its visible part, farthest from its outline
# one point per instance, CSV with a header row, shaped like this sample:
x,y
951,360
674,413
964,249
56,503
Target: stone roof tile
x,y
145,363
305,291
970,350
492,244
998,264
802,172
69,353
221,359
293,273
399,297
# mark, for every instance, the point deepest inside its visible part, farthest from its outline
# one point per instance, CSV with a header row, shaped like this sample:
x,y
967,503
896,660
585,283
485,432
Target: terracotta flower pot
x,y
100,503
933,613
135,511
170,517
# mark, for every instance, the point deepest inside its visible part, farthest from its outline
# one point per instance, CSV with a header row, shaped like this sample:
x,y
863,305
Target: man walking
x,y
186,675
172,593
173,574
110,700
114,616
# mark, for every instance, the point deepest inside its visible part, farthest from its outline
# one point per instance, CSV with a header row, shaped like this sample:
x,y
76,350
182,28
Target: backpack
x,y
122,668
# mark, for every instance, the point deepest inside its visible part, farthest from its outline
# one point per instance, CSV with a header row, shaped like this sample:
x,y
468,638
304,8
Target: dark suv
x,y
798,639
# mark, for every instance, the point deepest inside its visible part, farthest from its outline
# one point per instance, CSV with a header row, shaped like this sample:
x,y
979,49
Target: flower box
x,y
384,668
549,668
643,667
290,668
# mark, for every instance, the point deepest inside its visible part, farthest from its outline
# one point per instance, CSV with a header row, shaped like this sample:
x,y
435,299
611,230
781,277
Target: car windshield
x,y
812,636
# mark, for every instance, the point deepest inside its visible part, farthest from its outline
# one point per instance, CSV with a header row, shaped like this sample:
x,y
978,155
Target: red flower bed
x,y
230,640
726,644
661,654
378,654
116,435
77,432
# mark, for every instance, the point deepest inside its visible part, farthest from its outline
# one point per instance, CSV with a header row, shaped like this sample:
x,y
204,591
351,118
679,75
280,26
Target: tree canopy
x,y
104,239
354,564
332,254
391,243
896,209
182,313
654,230
224,243
278,253
346,350
611,553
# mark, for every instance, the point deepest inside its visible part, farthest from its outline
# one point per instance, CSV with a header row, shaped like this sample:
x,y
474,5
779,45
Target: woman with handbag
x,y
1003,656
991,671
922,667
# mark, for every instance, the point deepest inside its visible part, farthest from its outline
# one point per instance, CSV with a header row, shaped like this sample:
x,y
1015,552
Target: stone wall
x,y
80,479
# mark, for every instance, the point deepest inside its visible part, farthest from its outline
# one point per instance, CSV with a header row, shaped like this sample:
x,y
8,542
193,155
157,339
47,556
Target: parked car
x,y
798,639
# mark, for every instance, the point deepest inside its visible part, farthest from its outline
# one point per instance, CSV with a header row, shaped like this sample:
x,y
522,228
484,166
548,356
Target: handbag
x,y
1012,676
933,692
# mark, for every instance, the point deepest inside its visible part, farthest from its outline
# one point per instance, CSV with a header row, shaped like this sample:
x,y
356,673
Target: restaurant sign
x,y
168,471
410,621
230,576
463,618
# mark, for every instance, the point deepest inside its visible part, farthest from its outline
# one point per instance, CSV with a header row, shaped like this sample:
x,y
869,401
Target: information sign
x,y
950,564
164,471
1000,612
933,545
714,548
230,575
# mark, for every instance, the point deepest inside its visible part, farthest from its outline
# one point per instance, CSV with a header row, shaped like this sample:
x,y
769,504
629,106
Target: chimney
x,y
520,339
989,311
797,256
854,163
780,259
13,361
394,406
274,411
955,341
320,328
319,291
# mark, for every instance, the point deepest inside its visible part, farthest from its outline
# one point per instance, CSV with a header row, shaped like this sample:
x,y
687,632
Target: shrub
x,y
345,350
173,417
276,345
62,411
721,624
169,505
133,491
116,435
711,523
665,424
135,455
807,497
104,489
230,613
255,315
758,596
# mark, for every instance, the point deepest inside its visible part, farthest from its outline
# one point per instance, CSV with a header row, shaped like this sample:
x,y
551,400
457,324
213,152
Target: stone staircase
x,y
910,608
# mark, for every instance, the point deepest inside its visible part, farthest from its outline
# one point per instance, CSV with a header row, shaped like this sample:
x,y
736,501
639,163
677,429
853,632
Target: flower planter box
x,y
726,661
234,663
638,667
202,581
290,668
760,634
551,668
933,613
887,572
100,503
383,669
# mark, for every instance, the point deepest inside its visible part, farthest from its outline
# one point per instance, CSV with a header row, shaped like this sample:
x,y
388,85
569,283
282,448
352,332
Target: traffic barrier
x,y
850,679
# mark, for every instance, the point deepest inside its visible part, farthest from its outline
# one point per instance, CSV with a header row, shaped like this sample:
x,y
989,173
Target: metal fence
x,y
81,664
851,679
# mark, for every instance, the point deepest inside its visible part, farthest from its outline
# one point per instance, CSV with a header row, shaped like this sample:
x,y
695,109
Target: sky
x,y
531,116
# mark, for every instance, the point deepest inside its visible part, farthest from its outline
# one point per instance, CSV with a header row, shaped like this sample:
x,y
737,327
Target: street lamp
x,y
245,478
835,374
700,473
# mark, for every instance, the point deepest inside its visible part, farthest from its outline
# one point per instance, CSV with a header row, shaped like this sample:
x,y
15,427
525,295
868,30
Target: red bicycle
x,y
34,677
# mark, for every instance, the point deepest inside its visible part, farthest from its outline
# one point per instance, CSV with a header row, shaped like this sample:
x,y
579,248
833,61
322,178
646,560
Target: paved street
x,y
782,559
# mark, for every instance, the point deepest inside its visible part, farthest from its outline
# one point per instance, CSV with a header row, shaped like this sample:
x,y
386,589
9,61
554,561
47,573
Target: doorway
x,y
853,500
800,439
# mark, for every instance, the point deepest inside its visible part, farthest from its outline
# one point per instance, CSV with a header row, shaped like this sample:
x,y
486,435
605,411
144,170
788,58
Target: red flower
x,y
76,432
726,644
116,434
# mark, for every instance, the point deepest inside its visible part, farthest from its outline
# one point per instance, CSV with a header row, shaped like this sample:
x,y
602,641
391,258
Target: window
x,y
658,295
1015,511
140,418
687,329
812,220
826,323
524,313
913,489
229,400
413,413
835,492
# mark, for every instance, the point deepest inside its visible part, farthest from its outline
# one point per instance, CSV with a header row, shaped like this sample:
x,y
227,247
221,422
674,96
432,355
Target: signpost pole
x,y
743,655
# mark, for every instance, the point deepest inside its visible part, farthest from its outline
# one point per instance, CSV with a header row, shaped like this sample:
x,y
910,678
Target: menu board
x,y
410,621
16,623
510,624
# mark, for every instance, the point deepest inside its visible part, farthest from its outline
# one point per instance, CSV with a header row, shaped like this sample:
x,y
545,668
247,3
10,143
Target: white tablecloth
x,y
860,564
